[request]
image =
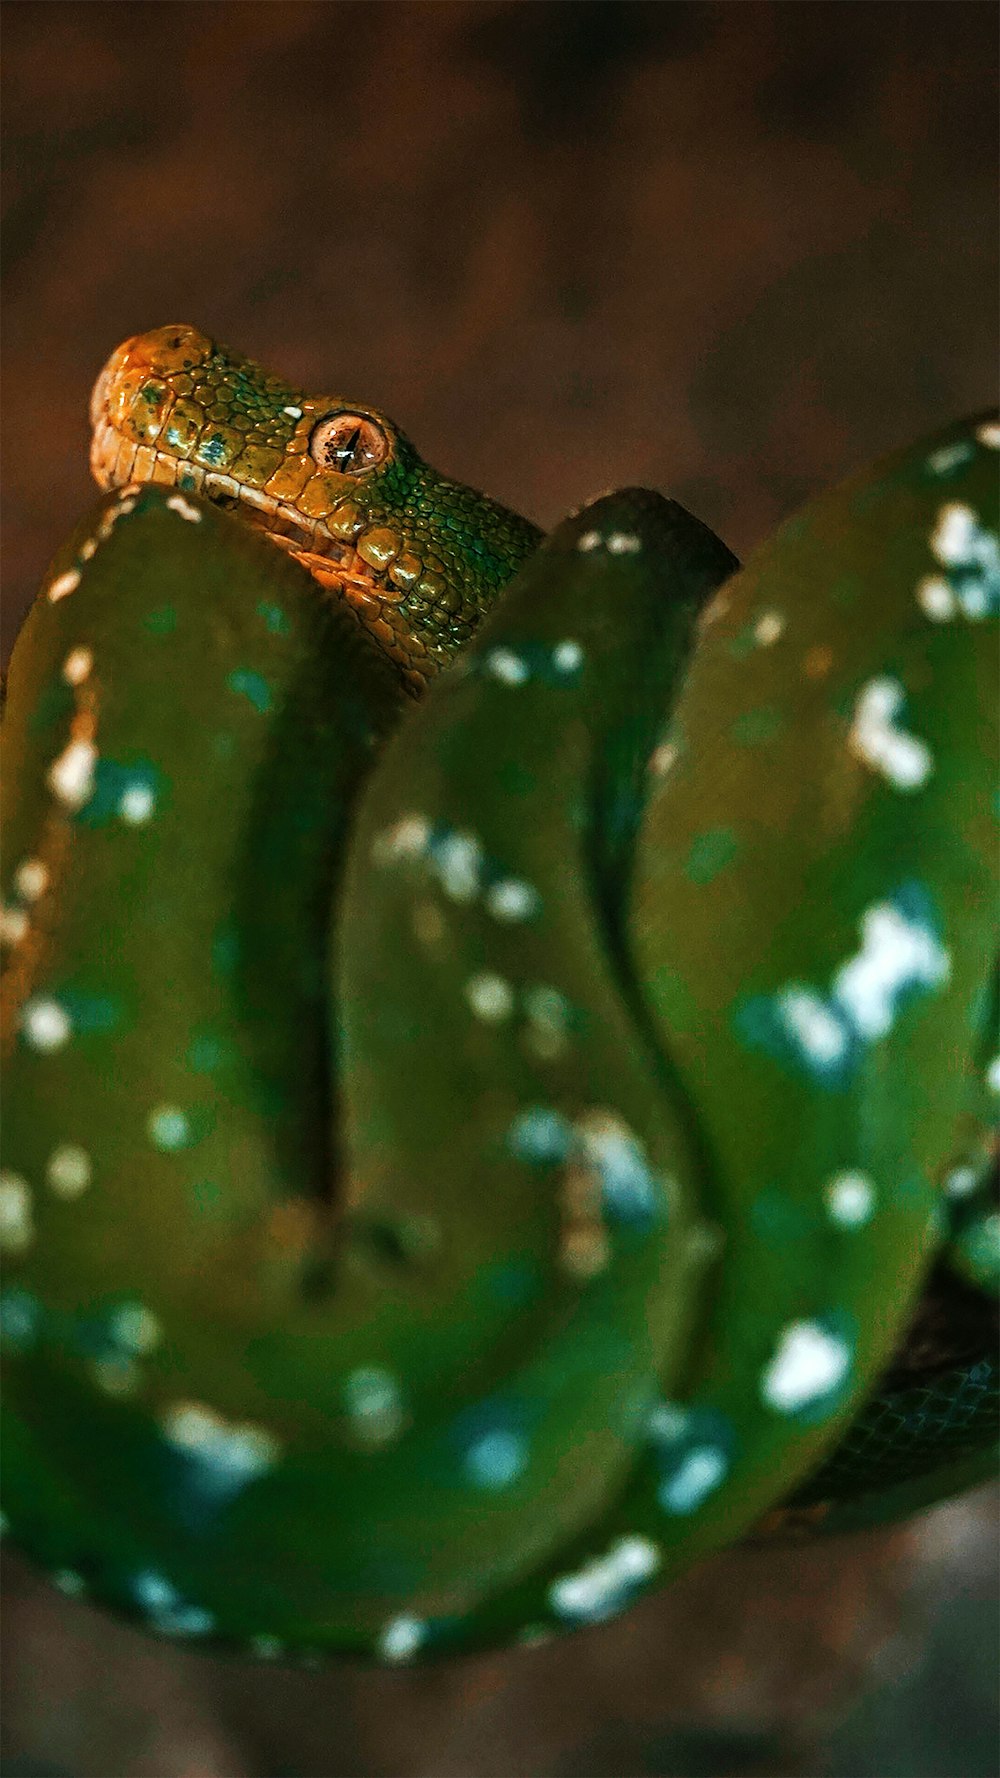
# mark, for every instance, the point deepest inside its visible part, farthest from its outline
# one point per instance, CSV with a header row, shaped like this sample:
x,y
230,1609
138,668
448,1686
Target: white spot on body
x,y
605,1585
228,1454
68,1170
587,541
896,953
769,626
850,1199
619,1160
949,457
135,1326
808,1364
64,584
168,1127
294,413
699,1472
31,879
490,997
624,543
901,758
971,554
813,1026
16,1222
136,804
567,656
169,1613
936,599
184,509
988,434
961,1182
506,666
46,1024
400,1639
993,1075
510,899
458,858
77,666
71,776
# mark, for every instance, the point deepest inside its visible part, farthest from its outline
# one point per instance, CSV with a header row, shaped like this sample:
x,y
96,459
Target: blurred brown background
x,y
728,250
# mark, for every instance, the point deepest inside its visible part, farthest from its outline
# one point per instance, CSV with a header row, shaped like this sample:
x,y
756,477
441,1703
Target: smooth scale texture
x,y
465,1161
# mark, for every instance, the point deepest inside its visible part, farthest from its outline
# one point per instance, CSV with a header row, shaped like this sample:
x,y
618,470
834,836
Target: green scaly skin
x,y
446,1196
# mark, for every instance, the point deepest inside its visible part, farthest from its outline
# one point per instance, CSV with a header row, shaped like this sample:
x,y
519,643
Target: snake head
x,y
333,482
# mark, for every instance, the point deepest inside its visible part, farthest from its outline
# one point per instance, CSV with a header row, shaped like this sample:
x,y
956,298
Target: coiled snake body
x,y
446,1195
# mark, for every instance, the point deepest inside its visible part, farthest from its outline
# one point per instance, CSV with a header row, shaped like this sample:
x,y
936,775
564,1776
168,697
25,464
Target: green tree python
x,y
469,1155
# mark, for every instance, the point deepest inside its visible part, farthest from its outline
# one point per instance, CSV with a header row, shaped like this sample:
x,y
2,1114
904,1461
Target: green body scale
x,y
466,1160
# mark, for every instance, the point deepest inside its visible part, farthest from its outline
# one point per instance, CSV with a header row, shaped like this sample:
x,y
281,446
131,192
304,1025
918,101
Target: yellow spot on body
x,y
77,665
715,609
68,1170
584,1248
816,663
662,758
237,1447
16,1224
292,1225
64,584
428,925
88,549
769,626
31,879
13,925
71,776
407,838
490,997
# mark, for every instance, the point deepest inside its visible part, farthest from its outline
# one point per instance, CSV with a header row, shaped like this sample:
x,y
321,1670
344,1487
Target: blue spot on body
x,y
20,1318
206,1051
252,686
540,1135
275,617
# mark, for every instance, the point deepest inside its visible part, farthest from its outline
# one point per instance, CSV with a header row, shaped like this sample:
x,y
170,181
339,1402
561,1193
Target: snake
x,y
499,1030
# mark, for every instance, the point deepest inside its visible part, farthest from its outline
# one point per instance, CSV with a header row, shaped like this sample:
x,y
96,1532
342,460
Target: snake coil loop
x,y
465,1161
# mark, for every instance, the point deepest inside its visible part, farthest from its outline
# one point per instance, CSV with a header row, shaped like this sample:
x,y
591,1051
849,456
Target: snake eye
x,y
350,443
